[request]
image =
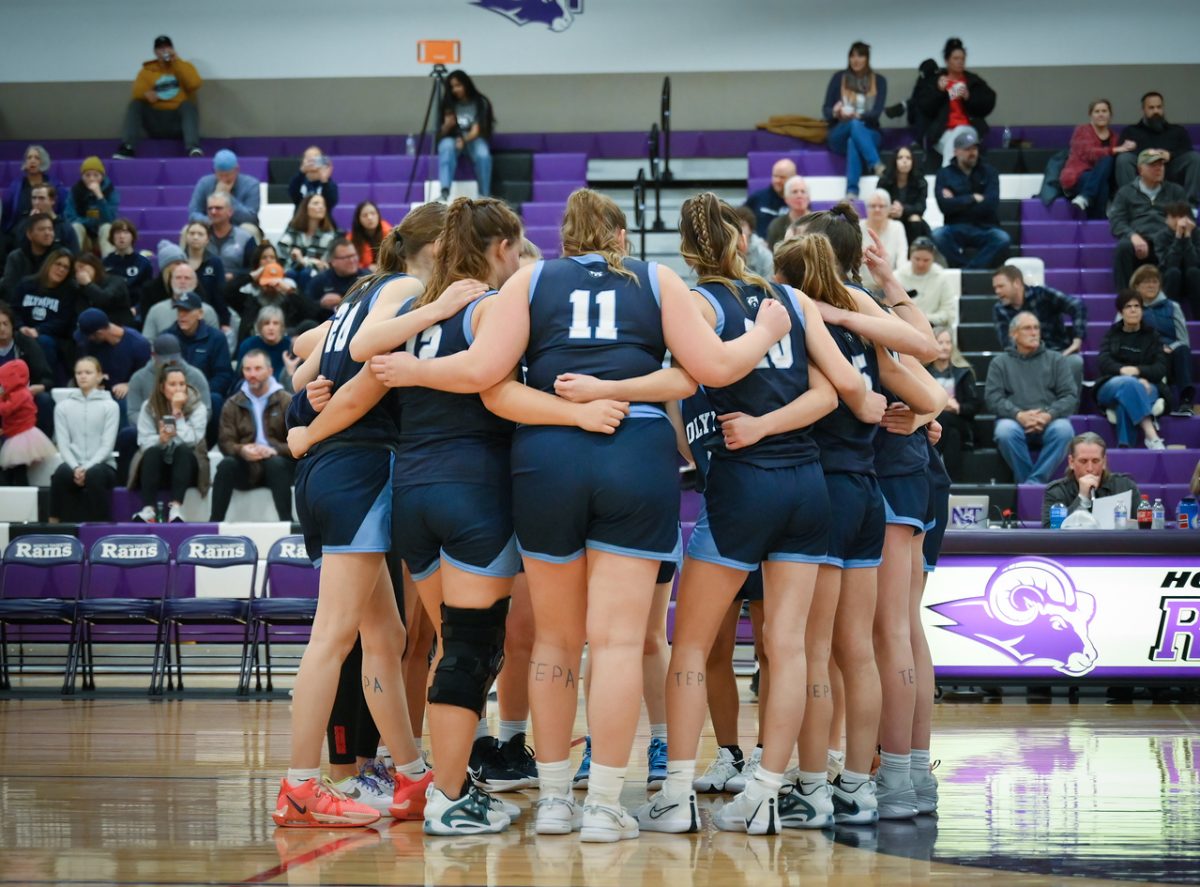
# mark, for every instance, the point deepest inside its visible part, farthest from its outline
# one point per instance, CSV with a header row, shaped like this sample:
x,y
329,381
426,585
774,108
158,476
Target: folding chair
x,y
216,552
51,602
291,603
142,603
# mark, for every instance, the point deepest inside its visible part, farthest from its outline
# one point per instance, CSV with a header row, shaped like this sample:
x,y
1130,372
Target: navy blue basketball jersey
x,y
379,425
847,444
444,436
778,379
897,455
584,318
702,430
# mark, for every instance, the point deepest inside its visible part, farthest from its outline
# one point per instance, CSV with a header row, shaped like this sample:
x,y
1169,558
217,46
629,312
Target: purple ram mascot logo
x,y
557,15
1032,613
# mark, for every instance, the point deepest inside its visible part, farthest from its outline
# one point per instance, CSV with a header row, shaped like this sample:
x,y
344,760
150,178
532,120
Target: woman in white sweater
x,y
890,231
85,432
171,450
930,284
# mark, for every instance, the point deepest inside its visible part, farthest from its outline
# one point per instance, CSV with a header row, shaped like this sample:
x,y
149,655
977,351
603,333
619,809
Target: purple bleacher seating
x,y
373,144
393,212
188,170
394,192
548,240
135,172
176,195
542,214
1056,256
1029,502
1095,232
352,168
1033,210
1094,280
260,146
343,216
1096,255
560,167
1065,279
353,193
139,196
1049,233
165,217
553,192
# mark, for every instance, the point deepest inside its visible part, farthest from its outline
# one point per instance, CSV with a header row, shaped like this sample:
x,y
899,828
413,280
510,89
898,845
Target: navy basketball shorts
x,y
666,572
937,517
906,499
752,589
753,514
856,534
469,525
344,500
574,490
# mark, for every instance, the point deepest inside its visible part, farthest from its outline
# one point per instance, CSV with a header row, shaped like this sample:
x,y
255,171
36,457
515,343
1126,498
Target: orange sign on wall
x,y
439,52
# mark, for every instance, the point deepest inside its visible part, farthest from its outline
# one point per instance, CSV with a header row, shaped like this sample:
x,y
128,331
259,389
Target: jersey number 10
x,y
581,310
779,356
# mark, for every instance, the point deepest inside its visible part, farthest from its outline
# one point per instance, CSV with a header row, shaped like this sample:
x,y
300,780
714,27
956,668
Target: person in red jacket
x,y
24,443
1088,175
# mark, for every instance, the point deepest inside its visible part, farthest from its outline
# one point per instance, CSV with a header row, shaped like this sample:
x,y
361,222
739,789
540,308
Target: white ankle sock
x,y
765,784
851,780
509,729
298,775
482,729
836,755
680,775
895,766
413,769
658,731
811,781
920,760
554,778
604,785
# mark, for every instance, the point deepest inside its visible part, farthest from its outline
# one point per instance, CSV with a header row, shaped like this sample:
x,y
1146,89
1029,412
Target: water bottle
x,y
1120,516
1159,519
1006,138
1145,514
410,146
1058,514
160,512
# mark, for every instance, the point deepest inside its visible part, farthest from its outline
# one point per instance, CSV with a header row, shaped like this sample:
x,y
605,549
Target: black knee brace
x,y
472,655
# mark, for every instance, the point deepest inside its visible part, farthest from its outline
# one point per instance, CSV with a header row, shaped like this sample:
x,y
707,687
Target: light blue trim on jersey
x,y
796,304
589,259
505,565
427,572
702,546
899,520
468,332
640,553
712,300
406,306
652,274
535,276
550,558
646,411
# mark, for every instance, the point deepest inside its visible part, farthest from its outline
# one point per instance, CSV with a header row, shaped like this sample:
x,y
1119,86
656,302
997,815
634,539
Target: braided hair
x,y
840,225
711,233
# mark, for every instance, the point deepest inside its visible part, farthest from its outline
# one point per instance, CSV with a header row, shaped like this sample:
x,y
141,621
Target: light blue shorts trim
x,y
673,555
551,558
504,566
899,520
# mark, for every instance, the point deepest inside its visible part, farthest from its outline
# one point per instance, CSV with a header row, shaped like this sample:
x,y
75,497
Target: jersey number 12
x,y
581,310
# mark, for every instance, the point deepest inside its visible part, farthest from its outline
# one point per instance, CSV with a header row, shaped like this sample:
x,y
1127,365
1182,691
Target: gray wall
x,y
564,103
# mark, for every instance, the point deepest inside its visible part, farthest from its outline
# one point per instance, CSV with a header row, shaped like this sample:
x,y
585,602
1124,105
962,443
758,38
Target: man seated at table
x,y
1087,478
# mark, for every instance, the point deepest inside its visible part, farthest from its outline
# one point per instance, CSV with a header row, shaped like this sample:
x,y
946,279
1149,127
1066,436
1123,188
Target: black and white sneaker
x,y
471,814
490,771
800,810
518,757
124,152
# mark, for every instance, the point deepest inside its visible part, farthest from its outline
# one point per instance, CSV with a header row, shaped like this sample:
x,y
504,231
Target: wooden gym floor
x,y
124,791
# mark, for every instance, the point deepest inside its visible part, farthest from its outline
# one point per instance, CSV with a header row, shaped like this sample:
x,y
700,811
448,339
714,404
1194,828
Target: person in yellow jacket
x,y
164,102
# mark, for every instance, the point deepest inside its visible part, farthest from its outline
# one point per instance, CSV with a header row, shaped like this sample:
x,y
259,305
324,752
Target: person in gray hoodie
x,y
1033,393
85,431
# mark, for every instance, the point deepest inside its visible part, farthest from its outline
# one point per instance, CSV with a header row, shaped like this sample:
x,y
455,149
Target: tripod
x,y
436,92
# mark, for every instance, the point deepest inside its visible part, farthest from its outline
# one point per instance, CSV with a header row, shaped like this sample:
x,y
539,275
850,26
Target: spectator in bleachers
x,y
326,290
91,207
177,277
35,170
1088,174
1138,217
908,190
1167,319
227,178
795,196
854,99
15,345
1178,251
85,431
304,245
253,440
164,351
955,101
1087,478
267,285
125,262
122,351
23,443
1153,131
929,285
467,125
957,419
171,447
768,203
314,177
366,233
44,199
204,347
99,289
47,304
890,232
1032,393
210,272
271,338
231,244
968,192
1133,366
757,255
164,102
29,255
1049,306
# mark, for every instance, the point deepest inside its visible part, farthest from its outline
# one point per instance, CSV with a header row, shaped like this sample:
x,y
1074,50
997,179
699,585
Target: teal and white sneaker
x,y
800,810
580,780
858,807
656,764
471,814
739,782
716,778
672,815
745,815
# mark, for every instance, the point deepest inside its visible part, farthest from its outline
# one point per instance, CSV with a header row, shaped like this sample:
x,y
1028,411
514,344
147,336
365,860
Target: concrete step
x,y
685,170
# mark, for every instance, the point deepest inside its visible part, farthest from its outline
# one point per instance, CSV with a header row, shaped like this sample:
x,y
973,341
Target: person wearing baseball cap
x,y
204,347
1137,216
1174,141
227,178
968,193
91,207
163,103
122,351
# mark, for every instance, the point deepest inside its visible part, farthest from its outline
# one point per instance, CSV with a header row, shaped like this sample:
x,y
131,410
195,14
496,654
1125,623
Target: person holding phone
x,y
163,103
171,449
314,177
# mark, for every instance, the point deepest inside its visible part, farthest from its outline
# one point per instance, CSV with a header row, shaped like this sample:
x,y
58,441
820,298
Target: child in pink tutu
x,y
24,443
